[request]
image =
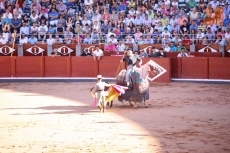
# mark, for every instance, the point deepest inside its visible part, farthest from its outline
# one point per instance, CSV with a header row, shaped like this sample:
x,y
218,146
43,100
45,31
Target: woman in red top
x,y
106,16
186,40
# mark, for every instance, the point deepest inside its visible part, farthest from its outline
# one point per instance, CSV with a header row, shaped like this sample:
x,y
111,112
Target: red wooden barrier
x,y
84,67
57,66
29,66
227,51
166,64
219,68
109,65
6,66
35,49
205,54
176,67
195,68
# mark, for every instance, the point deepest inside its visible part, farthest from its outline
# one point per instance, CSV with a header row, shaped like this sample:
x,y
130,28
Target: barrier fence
x,y
38,66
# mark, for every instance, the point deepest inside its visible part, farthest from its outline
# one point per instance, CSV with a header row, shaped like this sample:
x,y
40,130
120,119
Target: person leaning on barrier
x,y
97,53
161,53
183,53
55,53
86,52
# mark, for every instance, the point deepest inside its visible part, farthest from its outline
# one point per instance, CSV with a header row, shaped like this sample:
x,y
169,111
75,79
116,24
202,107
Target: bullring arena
x,y
52,52
60,117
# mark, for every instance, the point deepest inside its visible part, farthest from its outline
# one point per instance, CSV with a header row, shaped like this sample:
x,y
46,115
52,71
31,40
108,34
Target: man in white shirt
x,y
182,53
112,39
138,20
42,30
128,19
24,29
214,3
146,21
3,40
88,2
50,40
97,53
7,14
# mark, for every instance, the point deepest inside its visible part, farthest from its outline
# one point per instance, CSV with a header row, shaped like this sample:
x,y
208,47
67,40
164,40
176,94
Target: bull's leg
x,y
135,105
146,104
131,104
122,103
111,104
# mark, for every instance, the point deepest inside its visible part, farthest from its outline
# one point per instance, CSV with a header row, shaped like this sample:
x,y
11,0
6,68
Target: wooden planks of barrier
x,y
195,68
108,66
6,66
29,66
57,66
84,67
176,68
219,68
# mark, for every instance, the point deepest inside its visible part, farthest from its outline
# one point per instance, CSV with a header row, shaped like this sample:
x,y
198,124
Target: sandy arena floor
x,y
60,118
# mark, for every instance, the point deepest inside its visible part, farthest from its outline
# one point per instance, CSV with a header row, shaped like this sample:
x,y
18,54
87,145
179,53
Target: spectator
x,y
68,33
227,35
120,46
60,30
15,24
184,29
173,47
42,30
181,20
129,40
199,36
3,40
23,39
167,48
210,35
34,17
193,26
55,53
186,40
161,53
53,17
112,39
192,4
32,39
98,53
110,47
143,54
24,29
87,40
226,20
183,53
180,47
58,40
153,52
86,52
220,41
50,40
148,40
62,7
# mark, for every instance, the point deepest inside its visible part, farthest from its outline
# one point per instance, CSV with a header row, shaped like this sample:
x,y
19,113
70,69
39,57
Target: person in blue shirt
x,y
87,40
193,26
121,8
173,48
53,17
32,39
226,21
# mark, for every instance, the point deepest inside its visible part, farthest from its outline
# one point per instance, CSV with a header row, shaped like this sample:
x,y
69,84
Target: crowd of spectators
x,y
115,22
